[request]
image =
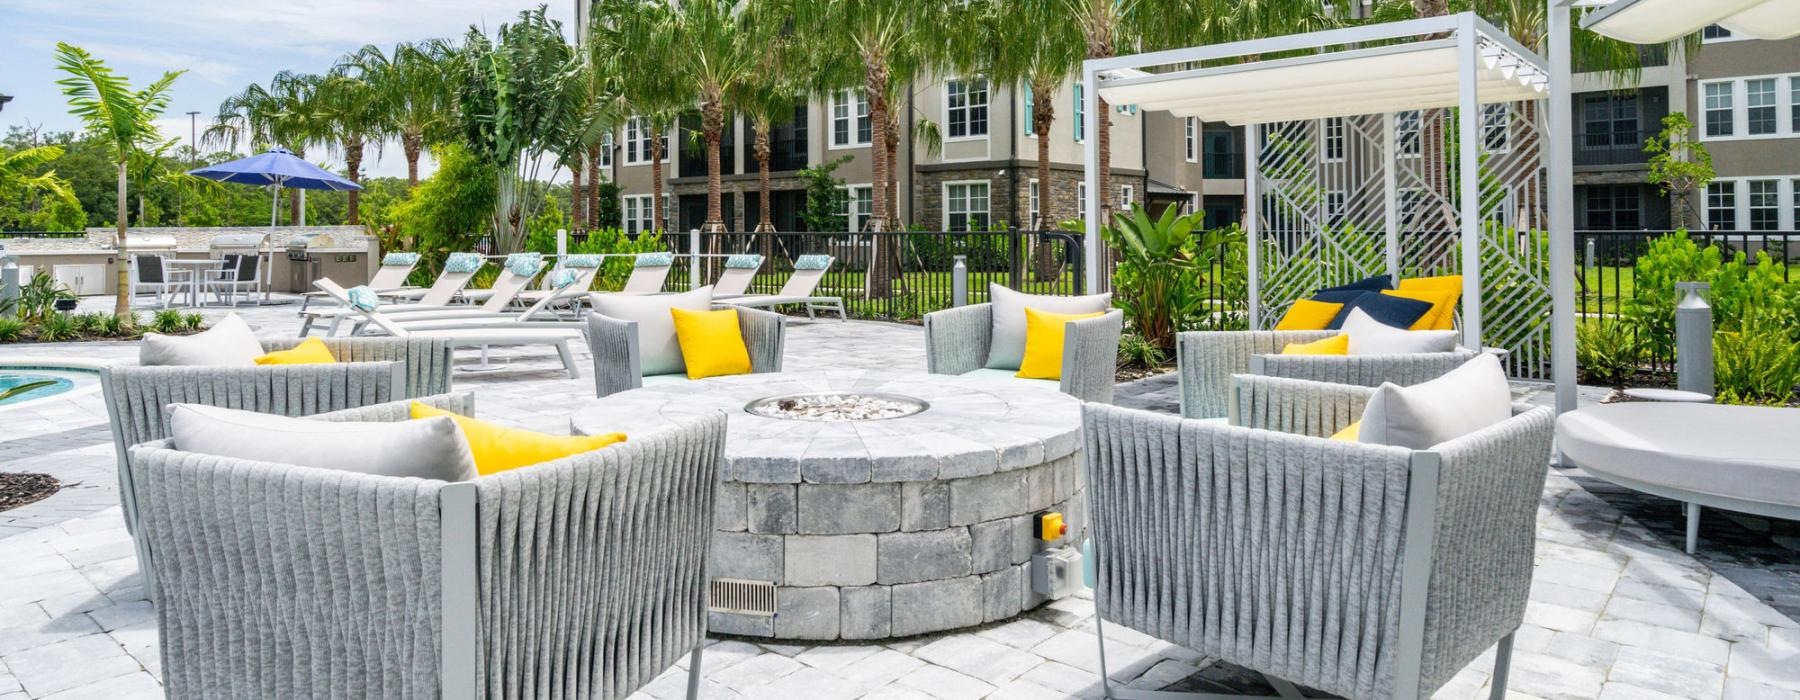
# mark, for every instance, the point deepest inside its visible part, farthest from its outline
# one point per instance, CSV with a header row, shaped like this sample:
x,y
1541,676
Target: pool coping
x,y
29,362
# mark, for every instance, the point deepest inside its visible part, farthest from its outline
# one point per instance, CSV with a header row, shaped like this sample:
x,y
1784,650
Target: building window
x,y
1764,204
1334,207
859,206
1334,138
637,141
606,149
1127,195
1718,108
850,125
639,213
1411,201
1794,187
1759,104
1080,115
966,108
1496,128
1192,134
1610,121
1032,208
1081,192
1721,206
1027,110
1407,137
1714,32
965,206
1794,107
1613,208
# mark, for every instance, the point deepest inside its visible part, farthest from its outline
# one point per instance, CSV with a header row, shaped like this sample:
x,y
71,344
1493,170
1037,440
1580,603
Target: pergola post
x,y
1469,133
1090,101
1390,192
1253,220
1561,177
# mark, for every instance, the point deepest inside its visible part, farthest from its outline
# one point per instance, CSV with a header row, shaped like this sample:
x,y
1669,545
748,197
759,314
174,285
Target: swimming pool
x,y
53,380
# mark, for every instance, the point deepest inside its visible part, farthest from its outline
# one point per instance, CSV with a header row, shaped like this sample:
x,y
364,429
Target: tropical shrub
x,y
56,328
1757,365
38,297
620,248
1651,309
1607,352
1135,350
11,330
1162,265
192,322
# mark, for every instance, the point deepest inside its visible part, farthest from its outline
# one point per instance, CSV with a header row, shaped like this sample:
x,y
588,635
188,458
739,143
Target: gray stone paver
x,y
1617,611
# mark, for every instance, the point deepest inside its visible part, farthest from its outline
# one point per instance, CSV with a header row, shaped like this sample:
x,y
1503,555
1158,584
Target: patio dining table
x,y
198,267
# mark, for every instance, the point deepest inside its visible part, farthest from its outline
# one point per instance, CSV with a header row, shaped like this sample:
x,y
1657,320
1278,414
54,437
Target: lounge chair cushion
x,y
230,342
659,351
1335,345
1309,315
311,351
1044,334
712,344
432,449
497,448
1007,349
1464,400
463,262
1369,336
399,258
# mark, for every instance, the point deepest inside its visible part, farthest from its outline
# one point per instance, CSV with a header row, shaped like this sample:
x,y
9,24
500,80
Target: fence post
x,y
1693,338
1016,258
959,282
9,277
562,246
693,258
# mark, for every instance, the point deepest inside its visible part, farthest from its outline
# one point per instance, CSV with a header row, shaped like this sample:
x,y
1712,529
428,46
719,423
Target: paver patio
x,y
1617,610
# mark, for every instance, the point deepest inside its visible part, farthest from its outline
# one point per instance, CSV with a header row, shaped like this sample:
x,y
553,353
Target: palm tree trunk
x,y
122,296
577,197
891,189
712,125
353,154
879,281
593,190
765,222
656,179
1043,114
412,144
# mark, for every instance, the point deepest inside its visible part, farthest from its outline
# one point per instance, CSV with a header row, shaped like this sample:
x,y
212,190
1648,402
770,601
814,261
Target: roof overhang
x,y
1660,21
1399,77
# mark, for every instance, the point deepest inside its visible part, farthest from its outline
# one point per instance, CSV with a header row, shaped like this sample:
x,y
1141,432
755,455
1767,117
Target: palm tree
x,y
768,96
413,86
633,37
286,114
1025,42
20,179
353,112
105,102
717,54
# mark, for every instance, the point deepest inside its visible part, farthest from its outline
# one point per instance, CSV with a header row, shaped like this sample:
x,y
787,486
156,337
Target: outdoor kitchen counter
x,y
877,528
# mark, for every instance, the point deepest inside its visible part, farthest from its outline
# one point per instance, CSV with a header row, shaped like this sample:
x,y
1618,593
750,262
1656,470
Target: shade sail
x,y
1419,75
1659,21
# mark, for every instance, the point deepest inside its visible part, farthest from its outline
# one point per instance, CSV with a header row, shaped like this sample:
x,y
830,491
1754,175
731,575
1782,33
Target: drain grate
x,y
730,595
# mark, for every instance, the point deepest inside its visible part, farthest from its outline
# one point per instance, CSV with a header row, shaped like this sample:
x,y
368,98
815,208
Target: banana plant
x,y
21,389
1160,281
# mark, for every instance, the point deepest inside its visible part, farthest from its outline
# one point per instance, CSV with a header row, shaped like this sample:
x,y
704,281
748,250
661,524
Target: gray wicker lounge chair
x,y
584,577
957,340
617,366
1366,571
1207,359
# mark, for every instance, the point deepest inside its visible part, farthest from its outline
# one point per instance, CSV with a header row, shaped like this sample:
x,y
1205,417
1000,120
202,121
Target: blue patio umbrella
x,y
278,167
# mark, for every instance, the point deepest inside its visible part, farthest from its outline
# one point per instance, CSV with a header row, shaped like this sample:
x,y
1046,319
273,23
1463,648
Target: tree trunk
x,y
1043,114
765,222
712,126
593,191
412,144
353,154
122,296
577,197
656,179
879,282
891,189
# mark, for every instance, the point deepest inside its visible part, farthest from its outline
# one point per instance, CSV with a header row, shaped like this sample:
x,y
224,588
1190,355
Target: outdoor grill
x,y
150,244
309,256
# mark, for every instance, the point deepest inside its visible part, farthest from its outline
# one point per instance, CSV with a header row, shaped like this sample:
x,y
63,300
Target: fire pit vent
x,y
730,595
837,406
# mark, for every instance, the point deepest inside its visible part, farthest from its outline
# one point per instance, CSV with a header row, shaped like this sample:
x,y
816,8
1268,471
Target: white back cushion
x,y
229,342
658,350
431,448
1008,347
1371,337
1464,400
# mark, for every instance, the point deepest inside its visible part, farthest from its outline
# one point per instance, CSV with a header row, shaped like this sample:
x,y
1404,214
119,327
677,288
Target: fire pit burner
x,y
836,406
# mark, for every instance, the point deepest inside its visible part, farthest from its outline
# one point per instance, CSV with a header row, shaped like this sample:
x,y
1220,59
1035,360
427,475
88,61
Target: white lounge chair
x,y
517,274
648,273
471,336
808,270
539,315
389,279
740,271
459,270
586,267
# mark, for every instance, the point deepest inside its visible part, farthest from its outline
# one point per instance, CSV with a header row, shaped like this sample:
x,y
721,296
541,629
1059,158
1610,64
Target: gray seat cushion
x,y
1740,452
1009,375
1007,349
659,352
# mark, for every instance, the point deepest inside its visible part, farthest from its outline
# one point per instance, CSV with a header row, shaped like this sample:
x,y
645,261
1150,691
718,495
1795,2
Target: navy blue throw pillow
x,y
1399,312
1371,284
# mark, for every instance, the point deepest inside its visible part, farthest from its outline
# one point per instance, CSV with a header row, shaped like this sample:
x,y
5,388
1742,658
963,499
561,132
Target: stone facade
x,y
1004,209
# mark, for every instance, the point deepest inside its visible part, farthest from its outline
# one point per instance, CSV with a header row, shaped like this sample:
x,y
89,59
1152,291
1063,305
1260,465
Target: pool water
x,y
60,381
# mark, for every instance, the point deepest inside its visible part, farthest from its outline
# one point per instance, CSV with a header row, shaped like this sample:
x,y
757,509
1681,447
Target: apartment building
x,y
1744,100
982,173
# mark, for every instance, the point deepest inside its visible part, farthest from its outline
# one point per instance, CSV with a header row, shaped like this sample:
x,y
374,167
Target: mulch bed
x,y
19,489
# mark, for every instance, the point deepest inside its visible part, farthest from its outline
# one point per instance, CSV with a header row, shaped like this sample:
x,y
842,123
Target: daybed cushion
x,y
1309,315
1008,375
1464,400
427,449
712,343
1450,286
230,342
311,351
1335,345
659,352
497,448
1398,312
1371,337
1008,347
1366,284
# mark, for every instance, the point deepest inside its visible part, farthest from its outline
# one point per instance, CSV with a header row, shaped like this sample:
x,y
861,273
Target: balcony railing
x,y
1611,148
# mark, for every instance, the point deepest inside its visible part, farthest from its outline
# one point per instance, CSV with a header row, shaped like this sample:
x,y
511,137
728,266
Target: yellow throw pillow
x,y
311,351
1448,285
1440,302
711,343
1335,345
1044,333
1308,315
1350,433
498,448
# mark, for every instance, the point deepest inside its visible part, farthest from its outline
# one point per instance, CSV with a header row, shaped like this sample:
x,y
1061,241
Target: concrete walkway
x,y
1617,610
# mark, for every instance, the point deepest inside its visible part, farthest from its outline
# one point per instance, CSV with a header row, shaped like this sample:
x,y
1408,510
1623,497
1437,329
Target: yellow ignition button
x,y
1049,527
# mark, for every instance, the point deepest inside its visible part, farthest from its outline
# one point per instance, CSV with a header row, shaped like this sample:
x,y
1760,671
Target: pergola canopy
x,y
1659,21
1419,75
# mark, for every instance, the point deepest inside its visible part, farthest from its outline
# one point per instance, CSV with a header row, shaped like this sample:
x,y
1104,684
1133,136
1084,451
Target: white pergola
x,y
1372,84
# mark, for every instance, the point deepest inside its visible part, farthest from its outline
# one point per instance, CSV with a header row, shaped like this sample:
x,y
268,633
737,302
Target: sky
x,y
223,44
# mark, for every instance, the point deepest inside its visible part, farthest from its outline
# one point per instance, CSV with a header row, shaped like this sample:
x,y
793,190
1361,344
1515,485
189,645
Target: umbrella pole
x,y
274,204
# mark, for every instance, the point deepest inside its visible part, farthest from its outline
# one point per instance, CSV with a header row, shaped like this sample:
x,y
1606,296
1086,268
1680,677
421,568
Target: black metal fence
x,y
1607,276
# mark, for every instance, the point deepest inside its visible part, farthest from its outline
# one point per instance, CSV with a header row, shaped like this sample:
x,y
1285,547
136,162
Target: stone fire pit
x,y
878,504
